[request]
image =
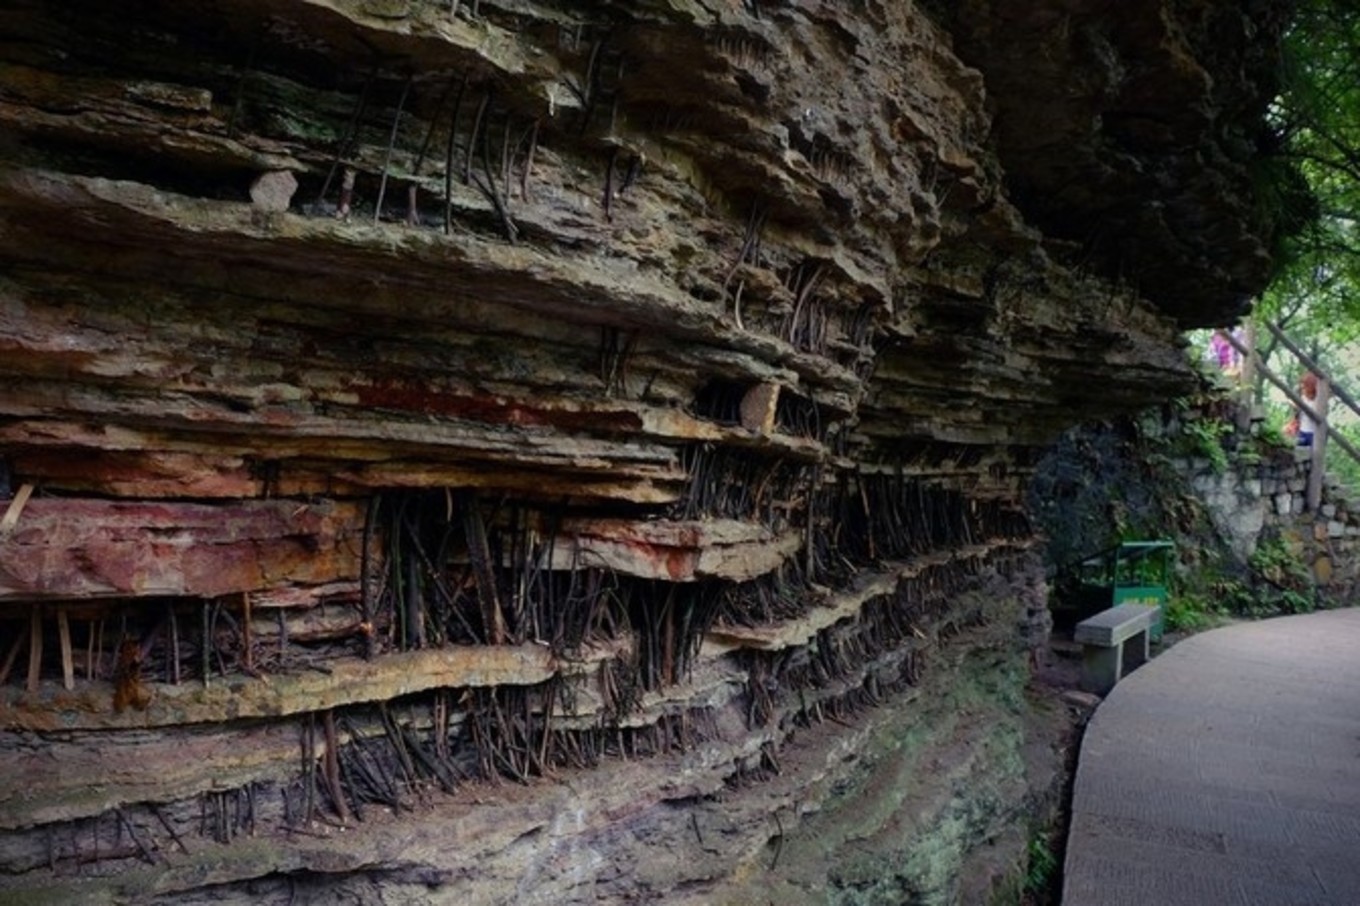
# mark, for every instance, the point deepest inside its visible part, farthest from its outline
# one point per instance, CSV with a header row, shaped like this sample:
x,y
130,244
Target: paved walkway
x,y
1226,771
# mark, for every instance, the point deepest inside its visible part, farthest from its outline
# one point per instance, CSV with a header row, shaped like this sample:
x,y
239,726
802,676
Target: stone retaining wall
x,y
1261,494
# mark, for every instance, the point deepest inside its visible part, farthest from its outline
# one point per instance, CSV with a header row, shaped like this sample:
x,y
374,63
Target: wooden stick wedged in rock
x,y
35,648
11,656
351,130
391,143
413,190
480,556
448,156
472,139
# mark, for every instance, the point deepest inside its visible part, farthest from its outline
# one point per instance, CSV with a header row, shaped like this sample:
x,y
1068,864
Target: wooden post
x,y
15,508
35,641
207,648
479,555
68,669
245,632
11,656
174,644
1318,467
332,767
99,649
1246,379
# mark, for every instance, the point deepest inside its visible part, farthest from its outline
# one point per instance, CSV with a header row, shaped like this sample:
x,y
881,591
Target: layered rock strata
x,y
523,452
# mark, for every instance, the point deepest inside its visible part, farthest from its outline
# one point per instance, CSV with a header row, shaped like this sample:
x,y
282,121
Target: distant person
x,y
1223,354
1304,423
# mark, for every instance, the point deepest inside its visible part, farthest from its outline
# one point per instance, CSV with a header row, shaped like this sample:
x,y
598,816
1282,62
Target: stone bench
x,y
1113,642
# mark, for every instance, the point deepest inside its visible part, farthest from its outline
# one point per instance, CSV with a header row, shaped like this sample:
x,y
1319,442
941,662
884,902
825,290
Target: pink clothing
x,y
1222,351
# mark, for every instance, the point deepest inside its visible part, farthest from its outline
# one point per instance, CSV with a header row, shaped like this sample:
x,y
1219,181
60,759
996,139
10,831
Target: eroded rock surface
x,y
544,452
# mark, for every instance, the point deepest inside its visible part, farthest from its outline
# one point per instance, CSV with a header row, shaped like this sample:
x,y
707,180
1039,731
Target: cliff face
x,y
556,452
1134,129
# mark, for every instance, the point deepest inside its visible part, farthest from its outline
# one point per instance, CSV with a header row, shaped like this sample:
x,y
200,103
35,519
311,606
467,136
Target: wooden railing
x,y
1317,408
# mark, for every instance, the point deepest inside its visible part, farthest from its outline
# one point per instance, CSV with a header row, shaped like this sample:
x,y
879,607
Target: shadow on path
x,y
1226,771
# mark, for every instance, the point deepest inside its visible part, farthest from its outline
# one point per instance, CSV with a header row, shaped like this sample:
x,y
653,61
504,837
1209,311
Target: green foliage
x,y
1189,612
1288,584
1204,437
1042,865
1271,434
1339,465
1275,582
1141,573
1276,563
1312,186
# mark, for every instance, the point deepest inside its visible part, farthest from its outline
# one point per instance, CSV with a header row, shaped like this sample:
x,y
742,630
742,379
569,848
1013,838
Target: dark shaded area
x,y
1138,131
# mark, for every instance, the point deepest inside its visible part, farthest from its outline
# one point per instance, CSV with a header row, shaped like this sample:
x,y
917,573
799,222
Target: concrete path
x,y
1226,771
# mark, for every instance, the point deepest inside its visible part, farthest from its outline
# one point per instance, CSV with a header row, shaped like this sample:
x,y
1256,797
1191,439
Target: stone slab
x,y
1113,626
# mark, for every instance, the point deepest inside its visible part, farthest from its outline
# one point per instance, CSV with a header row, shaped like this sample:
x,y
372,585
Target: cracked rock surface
x,y
554,452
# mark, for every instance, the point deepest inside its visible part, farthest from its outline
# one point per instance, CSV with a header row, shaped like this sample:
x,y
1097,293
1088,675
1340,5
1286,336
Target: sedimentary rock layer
x,y
512,452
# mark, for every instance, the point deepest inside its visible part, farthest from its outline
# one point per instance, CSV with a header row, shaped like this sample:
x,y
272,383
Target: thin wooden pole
x,y
35,641
479,555
1247,375
332,762
99,649
15,509
174,645
1311,364
1246,379
391,143
207,648
1318,468
245,630
11,656
68,670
